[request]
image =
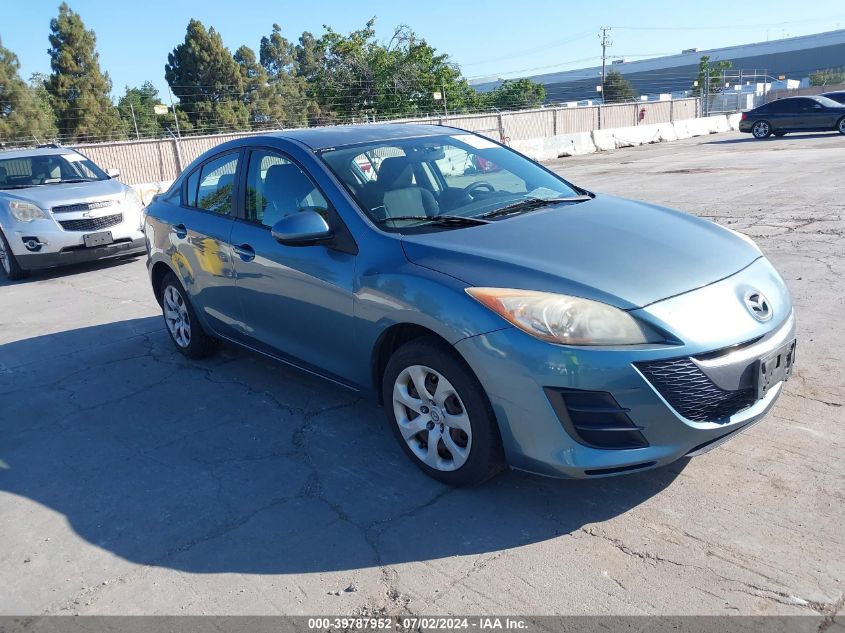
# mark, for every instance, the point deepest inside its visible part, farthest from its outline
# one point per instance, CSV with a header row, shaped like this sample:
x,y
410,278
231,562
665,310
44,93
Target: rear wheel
x,y
840,125
8,262
181,320
440,415
761,129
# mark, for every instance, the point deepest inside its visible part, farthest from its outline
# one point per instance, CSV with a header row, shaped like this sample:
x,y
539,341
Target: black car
x,y
794,114
839,97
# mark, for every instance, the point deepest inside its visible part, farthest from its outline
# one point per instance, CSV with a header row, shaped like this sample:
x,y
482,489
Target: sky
x,y
486,38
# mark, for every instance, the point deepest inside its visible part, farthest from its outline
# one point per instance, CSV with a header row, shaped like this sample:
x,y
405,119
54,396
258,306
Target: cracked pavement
x,y
134,481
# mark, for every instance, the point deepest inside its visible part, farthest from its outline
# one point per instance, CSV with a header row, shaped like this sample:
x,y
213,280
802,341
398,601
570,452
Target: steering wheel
x,y
478,185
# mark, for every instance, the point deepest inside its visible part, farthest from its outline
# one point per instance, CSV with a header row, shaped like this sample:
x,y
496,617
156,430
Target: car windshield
x,y
47,169
405,185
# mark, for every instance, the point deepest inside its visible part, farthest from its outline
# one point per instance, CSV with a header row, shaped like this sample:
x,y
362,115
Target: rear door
x,y
201,239
785,114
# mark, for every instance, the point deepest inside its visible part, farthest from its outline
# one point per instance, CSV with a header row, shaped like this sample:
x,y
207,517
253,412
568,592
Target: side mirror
x,y
111,172
305,228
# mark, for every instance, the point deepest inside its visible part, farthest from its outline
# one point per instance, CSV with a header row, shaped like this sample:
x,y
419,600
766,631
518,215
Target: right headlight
x,y
25,211
564,319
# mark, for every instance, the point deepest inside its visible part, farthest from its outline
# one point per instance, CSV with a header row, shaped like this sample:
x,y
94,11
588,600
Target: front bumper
x,y
59,240
78,255
524,377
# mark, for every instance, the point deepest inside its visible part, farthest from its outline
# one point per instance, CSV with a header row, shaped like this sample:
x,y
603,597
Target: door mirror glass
x,y
305,228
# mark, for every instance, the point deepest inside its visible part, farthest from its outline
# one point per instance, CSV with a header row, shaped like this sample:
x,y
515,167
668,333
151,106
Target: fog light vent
x,y
595,419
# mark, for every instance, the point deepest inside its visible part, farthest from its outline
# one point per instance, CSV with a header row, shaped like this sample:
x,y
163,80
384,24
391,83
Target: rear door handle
x,y
245,252
181,230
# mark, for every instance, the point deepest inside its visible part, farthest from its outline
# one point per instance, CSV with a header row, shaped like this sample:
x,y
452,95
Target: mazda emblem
x,y
758,305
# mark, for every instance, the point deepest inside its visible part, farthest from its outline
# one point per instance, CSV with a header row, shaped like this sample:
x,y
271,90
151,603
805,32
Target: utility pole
x,y
175,117
134,120
605,42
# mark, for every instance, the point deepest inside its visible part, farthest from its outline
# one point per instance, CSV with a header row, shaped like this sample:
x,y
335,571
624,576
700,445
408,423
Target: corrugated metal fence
x,y
158,160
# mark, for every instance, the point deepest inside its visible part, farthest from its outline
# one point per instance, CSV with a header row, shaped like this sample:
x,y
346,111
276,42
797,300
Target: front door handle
x,y
245,252
181,231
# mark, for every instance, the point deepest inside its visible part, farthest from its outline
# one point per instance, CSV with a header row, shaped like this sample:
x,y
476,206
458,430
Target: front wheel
x,y
840,125
8,262
181,320
761,129
440,415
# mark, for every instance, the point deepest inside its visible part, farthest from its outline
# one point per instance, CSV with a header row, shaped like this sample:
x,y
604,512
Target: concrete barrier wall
x,y
605,140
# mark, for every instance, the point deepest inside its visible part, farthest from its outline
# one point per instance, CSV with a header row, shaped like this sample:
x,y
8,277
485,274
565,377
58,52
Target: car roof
x,y
35,151
341,135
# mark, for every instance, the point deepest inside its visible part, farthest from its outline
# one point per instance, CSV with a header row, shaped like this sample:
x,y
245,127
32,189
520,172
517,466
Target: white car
x,y
57,207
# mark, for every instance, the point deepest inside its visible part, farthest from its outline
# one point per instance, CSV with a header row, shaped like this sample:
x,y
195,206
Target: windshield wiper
x,y
444,220
69,180
19,186
530,204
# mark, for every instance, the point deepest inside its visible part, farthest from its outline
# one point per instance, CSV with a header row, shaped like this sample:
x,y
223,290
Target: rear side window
x,y
215,189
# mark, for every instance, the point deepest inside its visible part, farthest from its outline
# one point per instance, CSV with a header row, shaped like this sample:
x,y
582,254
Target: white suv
x,y
57,208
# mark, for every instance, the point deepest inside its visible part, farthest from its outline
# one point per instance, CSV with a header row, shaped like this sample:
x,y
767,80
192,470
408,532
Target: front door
x,y
296,300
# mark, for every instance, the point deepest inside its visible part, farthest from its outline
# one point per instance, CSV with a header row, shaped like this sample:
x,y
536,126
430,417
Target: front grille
x,y
595,419
92,224
84,206
691,393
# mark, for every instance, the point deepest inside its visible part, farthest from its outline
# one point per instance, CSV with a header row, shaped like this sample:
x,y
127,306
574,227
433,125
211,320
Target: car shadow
x,y
70,270
240,464
773,139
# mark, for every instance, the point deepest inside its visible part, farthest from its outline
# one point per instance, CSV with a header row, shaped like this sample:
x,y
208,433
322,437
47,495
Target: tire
x,y
761,129
8,263
840,125
469,451
181,321
779,134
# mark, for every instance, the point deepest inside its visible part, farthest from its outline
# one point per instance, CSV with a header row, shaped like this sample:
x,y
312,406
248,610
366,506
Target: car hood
x,y
622,252
48,196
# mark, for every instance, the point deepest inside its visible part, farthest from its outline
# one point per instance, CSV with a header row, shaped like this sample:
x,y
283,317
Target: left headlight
x,y
564,319
131,197
25,211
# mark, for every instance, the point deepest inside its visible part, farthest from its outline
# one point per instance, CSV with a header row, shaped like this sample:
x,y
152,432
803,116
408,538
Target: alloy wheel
x,y
761,129
842,125
432,418
176,316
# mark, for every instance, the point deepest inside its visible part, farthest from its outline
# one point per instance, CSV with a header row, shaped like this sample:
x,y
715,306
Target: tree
x,y
79,90
512,95
287,92
710,76
24,115
828,77
203,74
617,88
362,78
137,108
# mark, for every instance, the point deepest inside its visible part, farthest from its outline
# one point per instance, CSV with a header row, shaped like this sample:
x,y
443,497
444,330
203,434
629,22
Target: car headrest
x,y
226,180
286,182
396,172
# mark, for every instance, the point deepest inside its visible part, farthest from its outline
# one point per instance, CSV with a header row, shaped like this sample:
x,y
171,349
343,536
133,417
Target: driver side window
x,y
277,187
